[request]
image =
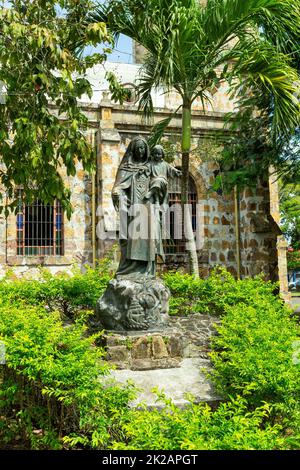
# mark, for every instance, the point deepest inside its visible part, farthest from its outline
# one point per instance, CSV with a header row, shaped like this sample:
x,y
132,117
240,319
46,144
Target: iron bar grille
x,y
175,244
39,229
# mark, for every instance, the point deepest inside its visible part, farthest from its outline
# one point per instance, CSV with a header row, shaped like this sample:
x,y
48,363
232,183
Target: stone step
x,y
180,338
189,378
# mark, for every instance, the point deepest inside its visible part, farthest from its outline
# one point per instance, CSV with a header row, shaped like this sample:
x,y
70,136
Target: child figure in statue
x,y
161,171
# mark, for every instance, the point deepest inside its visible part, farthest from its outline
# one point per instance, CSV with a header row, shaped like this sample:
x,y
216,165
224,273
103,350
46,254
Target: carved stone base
x,y
132,303
165,348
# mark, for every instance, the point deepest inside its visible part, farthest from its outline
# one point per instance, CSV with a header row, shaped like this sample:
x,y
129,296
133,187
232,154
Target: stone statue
x,y
135,299
128,194
161,171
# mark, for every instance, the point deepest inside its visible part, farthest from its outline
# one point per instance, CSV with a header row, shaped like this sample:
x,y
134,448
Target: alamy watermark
x,y
296,352
152,222
2,353
2,93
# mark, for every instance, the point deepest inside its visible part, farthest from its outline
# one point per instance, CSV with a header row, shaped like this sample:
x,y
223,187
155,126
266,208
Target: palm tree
x,y
192,46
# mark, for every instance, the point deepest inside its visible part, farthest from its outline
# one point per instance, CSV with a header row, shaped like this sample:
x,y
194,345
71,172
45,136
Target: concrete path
x,y
296,304
190,378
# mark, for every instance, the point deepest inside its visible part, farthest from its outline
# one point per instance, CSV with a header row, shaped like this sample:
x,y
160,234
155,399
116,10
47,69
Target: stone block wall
x,y
182,338
77,233
258,231
111,128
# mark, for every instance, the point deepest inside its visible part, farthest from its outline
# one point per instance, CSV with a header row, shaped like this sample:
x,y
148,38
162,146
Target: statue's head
x,y
158,153
139,150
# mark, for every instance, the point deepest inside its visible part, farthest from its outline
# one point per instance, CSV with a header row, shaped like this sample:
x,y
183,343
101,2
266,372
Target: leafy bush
x,y
67,293
72,293
293,260
214,294
253,369
52,393
198,427
254,353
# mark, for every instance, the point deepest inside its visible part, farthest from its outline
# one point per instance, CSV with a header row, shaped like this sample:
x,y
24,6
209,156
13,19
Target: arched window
x,y
175,244
130,93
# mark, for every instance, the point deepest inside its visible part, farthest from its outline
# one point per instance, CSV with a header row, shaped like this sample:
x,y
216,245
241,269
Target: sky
x,y
122,52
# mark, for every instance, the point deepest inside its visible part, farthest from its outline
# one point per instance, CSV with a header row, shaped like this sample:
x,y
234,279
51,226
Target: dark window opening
x,y
40,229
130,95
176,242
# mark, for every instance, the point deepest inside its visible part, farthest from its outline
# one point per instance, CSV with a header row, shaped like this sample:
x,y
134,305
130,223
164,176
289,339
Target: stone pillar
x,y
139,53
281,243
3,242
108,159
282,269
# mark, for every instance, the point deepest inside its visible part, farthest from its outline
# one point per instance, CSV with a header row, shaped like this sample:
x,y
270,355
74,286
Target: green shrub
x,y
67,293
254,356
198,427
253,369
293,260
71,294
214,294
54,393
253,353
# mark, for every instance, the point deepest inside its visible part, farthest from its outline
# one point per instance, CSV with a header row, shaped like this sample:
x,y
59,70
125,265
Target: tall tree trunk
x,y
187,221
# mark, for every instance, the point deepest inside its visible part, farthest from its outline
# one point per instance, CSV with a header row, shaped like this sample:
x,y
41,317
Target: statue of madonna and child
x,y
135,299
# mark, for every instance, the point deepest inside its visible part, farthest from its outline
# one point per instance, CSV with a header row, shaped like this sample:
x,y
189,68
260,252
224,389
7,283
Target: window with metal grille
x,y
39,229
176,242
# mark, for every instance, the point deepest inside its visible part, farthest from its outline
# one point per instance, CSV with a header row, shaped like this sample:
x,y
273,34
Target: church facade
x,y
239,232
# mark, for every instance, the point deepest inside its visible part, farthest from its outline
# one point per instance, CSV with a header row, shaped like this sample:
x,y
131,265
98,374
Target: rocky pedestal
x,y
174,360
181,338
133,303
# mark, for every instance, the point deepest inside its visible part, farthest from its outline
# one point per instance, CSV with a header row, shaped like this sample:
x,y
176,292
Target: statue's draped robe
x,y
140,222
162,169
161,172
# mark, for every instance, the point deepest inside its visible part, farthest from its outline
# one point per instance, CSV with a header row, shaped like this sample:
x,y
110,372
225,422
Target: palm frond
x,y
224,18
149,80
159,129
261,70
187,42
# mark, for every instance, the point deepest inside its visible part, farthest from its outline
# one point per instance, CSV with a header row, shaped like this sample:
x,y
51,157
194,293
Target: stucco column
x,y
108,149
281,242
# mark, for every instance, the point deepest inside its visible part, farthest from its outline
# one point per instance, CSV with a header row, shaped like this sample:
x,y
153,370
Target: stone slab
x,y
296,304
181,338
189,378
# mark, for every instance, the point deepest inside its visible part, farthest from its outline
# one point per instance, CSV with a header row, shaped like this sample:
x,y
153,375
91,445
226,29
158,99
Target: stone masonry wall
x,y
111,128
77,233
182,337
258,230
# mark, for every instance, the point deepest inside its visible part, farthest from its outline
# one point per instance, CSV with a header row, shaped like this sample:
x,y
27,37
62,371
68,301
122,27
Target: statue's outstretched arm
x,y
174,172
